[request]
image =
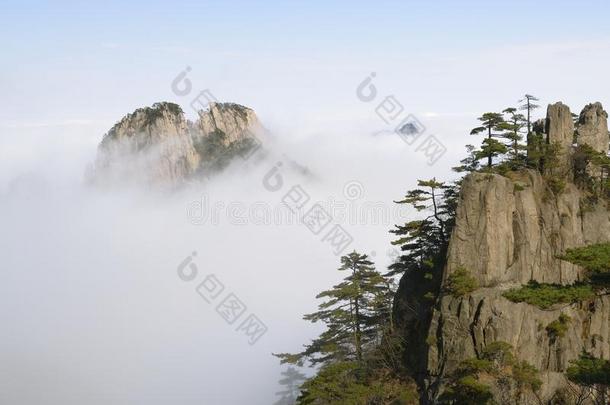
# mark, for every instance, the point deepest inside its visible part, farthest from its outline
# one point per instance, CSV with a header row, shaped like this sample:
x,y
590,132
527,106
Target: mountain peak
x,y
157,144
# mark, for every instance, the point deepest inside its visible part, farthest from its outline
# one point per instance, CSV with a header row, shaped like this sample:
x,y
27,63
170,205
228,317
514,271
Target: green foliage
x,y
490,121
470,163
518,187
505,132
347,383
556,184
424,240
430,296
589,371
234,107
558,328
354,311
551,159
216,153
526,376
495,363
468,391
291,380
592,170
359,353
514,126
594,258
333,383
546,157
529,105
476,366
596,261
423,244
460,283
546,295
491,148
173,108
501,353
156,111
536,147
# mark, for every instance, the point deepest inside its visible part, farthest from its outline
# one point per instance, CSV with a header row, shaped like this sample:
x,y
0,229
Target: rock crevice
x,y
158,145
511,230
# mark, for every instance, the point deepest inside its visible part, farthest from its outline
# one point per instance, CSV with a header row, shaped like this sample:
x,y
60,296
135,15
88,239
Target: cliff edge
x,y
511,230
157,145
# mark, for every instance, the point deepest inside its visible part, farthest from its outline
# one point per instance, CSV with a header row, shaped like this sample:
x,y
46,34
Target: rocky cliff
x,y
234,120
158,145
510,230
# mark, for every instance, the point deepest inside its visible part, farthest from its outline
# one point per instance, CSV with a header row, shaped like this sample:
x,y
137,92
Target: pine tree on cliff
x,y
351,312
470,163
422,241
359,355
514,126
589,379
529,104
291,381
491,147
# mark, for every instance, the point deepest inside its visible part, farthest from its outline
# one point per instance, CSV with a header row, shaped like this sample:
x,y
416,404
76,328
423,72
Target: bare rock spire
x,y
560,131
593,127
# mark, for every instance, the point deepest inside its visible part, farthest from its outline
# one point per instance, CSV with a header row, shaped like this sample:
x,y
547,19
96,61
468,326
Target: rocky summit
x,y
157,145
511,230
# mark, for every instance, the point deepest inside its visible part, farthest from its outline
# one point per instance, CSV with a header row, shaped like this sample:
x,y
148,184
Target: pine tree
x,y
592,170
351,312
592,376
529,105
360,358
470,163
514,126
423,243
491,147
292,379
421,240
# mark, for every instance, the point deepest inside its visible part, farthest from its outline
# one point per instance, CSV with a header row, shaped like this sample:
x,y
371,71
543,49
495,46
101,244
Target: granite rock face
x,y
560,130
151,144
157,145
593,127
506,236
510,230
234,120
463,327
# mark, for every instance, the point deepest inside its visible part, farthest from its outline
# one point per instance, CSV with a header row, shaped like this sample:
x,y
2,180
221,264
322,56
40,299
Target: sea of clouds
x,y
93,306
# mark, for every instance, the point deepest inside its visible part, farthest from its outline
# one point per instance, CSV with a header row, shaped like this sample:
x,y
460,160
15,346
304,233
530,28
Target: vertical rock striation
x,y
593,127
151,144
234,120
157,145
560,131
510,230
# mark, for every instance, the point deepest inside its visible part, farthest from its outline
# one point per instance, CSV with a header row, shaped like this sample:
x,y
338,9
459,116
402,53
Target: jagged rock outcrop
x,y
593,127
463,327
158,145
152,143
517,227
510,230
506,236
235,121
560,131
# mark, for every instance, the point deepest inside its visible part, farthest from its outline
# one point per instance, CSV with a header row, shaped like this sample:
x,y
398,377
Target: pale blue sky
x,y
297,63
